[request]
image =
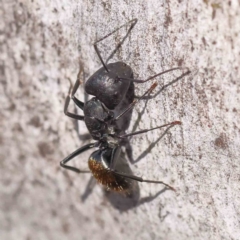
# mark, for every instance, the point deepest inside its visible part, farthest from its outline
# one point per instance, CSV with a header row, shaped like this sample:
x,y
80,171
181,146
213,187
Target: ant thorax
x,y
109,139
112,141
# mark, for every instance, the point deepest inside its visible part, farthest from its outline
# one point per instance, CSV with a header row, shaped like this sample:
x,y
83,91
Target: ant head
x,y
108,86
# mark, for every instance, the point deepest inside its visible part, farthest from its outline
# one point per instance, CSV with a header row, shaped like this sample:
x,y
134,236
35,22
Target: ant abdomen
x,y
100,167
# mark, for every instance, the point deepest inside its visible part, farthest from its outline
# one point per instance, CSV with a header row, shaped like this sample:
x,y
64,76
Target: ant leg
x,y
114,156
136,101
132,105
73,155
75,88
133,21
139,179
76,101
151,129
156,75
167,85
71,115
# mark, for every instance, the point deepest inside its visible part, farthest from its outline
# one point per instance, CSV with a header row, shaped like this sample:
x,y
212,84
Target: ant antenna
x,y
133,21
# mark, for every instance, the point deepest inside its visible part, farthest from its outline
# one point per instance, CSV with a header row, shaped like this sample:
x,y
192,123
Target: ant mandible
x,y
111,86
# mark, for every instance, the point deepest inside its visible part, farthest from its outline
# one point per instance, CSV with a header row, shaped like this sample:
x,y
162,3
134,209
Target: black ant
x,y
112,87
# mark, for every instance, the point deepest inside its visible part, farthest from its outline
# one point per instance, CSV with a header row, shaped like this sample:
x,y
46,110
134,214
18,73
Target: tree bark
x,y
44,44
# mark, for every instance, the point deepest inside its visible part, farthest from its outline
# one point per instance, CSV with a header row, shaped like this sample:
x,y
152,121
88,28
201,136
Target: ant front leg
x,y
76,101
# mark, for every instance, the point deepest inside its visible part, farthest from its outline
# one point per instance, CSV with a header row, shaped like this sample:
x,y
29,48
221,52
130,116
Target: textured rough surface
x,y
43,44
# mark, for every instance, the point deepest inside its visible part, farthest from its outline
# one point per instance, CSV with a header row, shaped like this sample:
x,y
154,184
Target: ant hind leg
x,y
139,179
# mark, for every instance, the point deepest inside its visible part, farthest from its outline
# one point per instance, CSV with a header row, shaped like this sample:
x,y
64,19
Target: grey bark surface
x,y
43,45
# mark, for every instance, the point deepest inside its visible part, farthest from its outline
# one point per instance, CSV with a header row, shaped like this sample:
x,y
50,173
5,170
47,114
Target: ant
x,y
113,90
